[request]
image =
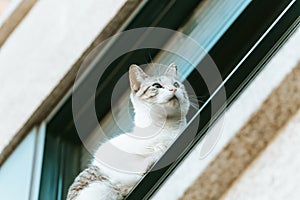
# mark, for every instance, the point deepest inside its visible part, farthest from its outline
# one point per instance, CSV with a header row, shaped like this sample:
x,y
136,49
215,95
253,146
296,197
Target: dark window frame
x,y
259,16
63,147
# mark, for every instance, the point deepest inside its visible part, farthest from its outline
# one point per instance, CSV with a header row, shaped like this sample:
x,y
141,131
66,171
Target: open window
x,y
239,36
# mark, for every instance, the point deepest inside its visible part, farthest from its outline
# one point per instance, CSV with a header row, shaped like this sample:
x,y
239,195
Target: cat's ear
x,y
136,77
171,70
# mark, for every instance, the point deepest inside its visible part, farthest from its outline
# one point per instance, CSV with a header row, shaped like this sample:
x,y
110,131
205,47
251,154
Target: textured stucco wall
x,y
241,111
275,174
250,141
3,6
39,54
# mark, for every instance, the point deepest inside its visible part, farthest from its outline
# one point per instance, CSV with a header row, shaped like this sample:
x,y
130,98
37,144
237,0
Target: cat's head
x,y
162,93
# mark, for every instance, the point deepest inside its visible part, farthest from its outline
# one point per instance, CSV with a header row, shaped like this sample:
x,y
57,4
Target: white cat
x,y
160,106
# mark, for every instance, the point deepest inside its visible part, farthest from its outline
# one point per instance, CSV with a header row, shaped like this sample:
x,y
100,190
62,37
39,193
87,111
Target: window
x,y
239,40
29,155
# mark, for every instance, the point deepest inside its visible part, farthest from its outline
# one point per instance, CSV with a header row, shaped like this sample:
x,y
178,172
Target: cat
x,y
160,107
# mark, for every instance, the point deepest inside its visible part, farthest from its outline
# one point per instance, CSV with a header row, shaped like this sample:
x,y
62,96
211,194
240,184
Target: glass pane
x,y
206,26
17,172
211,19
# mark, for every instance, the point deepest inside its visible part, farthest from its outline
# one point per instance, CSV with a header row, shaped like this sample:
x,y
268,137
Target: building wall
x,y
246,148
39,60
212,169
275,173
3,6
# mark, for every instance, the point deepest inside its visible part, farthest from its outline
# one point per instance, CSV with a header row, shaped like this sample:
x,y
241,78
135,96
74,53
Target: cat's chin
x,y
173,101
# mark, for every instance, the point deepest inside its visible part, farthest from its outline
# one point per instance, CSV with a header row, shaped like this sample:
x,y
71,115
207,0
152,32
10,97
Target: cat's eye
x,y
176,84
157,85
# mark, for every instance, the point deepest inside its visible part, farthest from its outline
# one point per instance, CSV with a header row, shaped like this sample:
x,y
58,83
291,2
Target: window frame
x,y
282,24
29,154
63,148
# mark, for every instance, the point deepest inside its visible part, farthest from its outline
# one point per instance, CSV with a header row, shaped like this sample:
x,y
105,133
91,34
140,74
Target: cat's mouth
x,y
173,98
173,101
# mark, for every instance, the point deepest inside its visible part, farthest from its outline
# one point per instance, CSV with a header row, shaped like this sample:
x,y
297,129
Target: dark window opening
x,y
64,156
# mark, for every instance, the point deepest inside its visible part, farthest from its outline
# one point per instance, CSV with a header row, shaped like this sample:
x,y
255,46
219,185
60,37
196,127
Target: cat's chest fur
x,y
145,146
143,153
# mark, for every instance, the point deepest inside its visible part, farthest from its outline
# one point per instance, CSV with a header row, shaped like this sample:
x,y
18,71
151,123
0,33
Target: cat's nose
x,y
173,90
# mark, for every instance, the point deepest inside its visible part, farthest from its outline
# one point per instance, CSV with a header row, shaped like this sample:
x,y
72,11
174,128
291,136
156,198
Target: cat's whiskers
x,y
196,97
195,100
195,106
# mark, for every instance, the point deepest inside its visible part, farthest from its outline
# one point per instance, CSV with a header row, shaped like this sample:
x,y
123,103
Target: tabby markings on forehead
x,y
145,91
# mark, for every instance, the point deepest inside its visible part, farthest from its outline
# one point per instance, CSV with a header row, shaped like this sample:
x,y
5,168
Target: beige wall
x,y
275,174
39,60
3,6
195,171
